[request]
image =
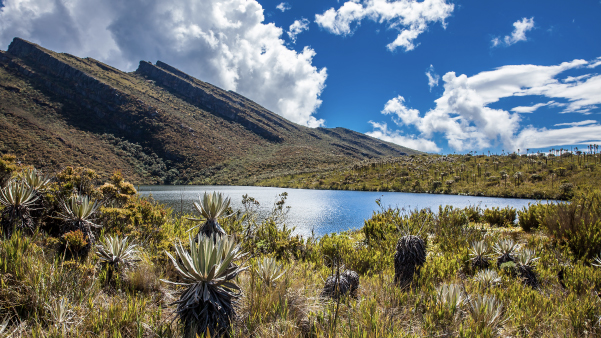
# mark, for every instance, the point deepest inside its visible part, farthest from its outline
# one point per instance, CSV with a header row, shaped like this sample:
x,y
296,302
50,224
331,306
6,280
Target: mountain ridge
x,y
156,124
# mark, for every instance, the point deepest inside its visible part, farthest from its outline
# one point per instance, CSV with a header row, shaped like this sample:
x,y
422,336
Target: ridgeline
x,y
156,125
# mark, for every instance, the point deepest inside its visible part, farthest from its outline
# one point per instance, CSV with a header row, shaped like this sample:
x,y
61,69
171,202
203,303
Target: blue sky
x,y
504,75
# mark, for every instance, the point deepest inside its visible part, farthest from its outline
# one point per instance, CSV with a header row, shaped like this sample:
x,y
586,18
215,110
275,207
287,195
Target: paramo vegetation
x,y
557,174
84,258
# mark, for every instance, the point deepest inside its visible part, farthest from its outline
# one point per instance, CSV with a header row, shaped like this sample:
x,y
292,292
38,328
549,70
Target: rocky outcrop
x,y
109,104
83,83
207,97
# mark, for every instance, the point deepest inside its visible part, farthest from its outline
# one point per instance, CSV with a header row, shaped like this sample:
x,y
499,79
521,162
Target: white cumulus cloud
x,y
283,6
224,42
520,28
465,119
382,132
432,77
297,27
410,18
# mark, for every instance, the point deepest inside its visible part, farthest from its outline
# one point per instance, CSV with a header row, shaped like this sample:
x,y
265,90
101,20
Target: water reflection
x,y
323,211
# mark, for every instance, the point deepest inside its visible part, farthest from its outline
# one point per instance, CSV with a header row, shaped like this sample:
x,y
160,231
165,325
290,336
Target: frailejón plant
x,y
525,260
207,270
479,255
17,199
505,249
487,278
269,270
116,253
77,213
409,257
211,208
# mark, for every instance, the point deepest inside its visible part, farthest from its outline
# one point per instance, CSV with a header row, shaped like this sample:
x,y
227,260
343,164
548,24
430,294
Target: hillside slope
x,y
156,125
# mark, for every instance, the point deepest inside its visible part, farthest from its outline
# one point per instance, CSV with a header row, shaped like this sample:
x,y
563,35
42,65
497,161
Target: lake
x,y
323,211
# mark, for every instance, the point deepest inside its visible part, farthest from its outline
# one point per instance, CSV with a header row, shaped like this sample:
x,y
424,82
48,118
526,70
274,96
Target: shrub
x,y
536,177
529,217
436,185
337,249
7,167
576,224
380,225
473,212
450,230
74,241
500,217
566,190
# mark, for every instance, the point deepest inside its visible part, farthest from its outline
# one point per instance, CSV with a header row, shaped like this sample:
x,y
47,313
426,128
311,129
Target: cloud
x,y
574,124
284,6
403,114
530,109
297,27
463,116
432,77
410,141
224,42
520,28
409,18
541,138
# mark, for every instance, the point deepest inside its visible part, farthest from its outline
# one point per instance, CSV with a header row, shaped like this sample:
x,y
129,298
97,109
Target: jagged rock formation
x,y
157,124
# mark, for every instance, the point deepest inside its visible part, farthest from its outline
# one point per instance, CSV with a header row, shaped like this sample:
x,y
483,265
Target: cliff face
x,y
156,124
212,99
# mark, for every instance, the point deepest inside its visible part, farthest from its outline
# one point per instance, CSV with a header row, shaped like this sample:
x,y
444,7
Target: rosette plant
x,y
410,255
207,304
18,199
116,253
77,213
505,249
479,258
35,180
269,270
211,208
526,260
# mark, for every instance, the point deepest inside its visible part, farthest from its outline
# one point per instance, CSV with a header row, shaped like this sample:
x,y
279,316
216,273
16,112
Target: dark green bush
x,y
576,224
450,231
500,217
474,213
529,217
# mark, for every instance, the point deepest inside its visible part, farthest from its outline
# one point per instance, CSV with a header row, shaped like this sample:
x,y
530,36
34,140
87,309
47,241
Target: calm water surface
x,y
324,211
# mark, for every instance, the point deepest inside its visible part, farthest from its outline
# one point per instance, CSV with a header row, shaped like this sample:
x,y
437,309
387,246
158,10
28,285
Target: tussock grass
x,y
46,293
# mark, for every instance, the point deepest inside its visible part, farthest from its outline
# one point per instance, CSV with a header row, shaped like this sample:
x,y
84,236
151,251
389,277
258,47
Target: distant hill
x,y
156,125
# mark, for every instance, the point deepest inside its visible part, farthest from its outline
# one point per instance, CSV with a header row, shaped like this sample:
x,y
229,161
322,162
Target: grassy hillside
x,y
156,125
537,176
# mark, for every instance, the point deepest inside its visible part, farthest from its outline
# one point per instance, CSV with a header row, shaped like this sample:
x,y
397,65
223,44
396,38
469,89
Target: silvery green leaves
x,y
505,249
479,255
269,270
211,207
487,278
77,212
17,198
17,193
34,179
117,251
207,270
78,208
208,260
451,296
486,311
597,261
